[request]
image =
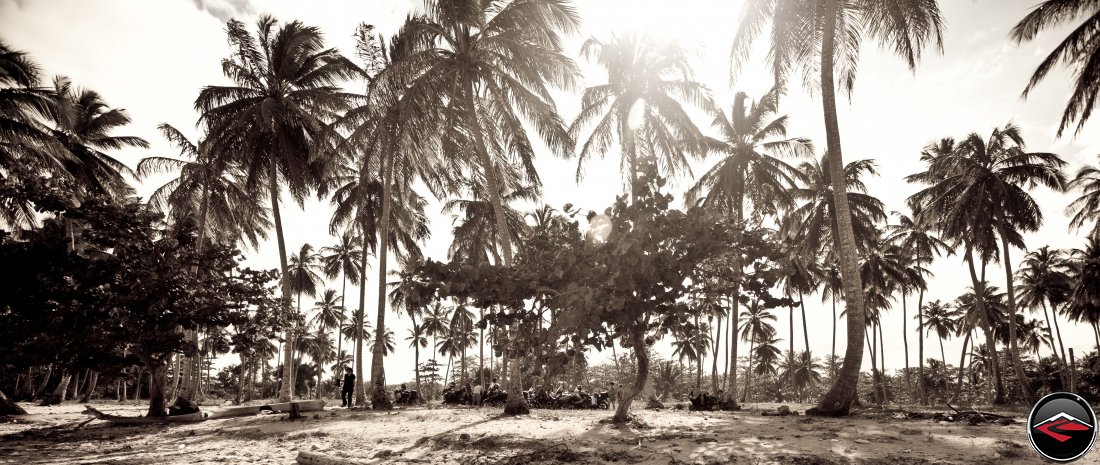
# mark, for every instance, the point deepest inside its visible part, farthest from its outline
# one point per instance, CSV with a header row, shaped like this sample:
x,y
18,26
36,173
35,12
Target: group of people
x,y
702,399
474,395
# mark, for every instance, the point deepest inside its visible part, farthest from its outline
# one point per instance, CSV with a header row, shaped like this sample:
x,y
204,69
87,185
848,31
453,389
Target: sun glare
x,y
692,20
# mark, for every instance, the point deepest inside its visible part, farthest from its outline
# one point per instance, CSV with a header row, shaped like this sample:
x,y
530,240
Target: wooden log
x,y
122,420
7,407
317,458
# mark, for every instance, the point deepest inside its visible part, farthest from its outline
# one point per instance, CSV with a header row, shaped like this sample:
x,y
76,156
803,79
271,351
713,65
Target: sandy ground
x,y
50,435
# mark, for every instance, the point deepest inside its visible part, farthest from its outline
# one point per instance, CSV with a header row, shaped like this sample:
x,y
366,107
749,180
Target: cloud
x,y
225,10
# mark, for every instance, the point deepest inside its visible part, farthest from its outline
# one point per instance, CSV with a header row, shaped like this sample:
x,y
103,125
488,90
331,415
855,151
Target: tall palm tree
x,y
917,239
641,105
980,193
434,324
488,68
983,307
475,223
1086,207
1044,280
284,94
824,36
345,259
1081,49
806,371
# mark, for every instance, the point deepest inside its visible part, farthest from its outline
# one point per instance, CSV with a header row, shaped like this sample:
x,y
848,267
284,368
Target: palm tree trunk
x,y
943,358
90,389
990,341
340,324
962,366
905,343
838,400
732,340
872,343
738,269
1054,350
920,349
805,330
748,371
1095,332
285,391
360,315
714,360
481,350
1013,346
832,359
379,399
882,361
1058,331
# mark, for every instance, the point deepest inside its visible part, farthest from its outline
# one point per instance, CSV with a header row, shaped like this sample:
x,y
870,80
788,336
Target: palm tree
x,y
755,327
988,310
283,96
768,358
208,190
1044,279
806,371
1087,206
1080,49
303,280
474,223
26,145
980,192
815,220
82,122
345,259
640,105
435,323
1085,272
417,339
918,240
940,319
824,36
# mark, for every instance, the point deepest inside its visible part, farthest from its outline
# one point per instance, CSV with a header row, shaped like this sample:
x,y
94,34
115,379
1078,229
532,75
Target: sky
x,y
152,58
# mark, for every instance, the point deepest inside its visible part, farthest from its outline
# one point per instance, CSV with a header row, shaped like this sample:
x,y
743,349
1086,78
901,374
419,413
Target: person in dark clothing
x,y
348,388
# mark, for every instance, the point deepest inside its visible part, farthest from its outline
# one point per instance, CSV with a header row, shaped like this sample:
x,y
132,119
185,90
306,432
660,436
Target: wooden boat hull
x,y
282,407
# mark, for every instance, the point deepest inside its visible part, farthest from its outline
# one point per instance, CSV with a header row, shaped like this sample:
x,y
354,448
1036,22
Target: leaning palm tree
x,y
284,94
824,36
641,105
1044,280
1086,207
1081,49
922,244
980,193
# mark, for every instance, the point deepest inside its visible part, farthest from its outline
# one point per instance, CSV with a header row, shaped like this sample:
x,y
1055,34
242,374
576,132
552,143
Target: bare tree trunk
x,y
287,388
360,386
380,400
990,341
90,389
641,354
137,383
158,380
837,401
920,349
45,381
58,394
716,351
905,343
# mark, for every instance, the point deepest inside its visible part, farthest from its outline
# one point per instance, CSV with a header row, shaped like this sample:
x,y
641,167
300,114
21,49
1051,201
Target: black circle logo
x,y
1062,427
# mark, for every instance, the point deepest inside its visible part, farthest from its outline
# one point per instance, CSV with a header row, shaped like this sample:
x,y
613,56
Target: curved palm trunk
x,y
748,371
416,357
714,360
805,330
882,361
1054,350
641,354
320,365
340,324
962,368
832,359
188,334
1013,346
990,341
285,390
872,344
838,400
515,404
380,400
920,349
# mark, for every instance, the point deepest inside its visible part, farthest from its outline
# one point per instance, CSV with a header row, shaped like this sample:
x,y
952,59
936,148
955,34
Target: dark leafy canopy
x,y
125,287
814,221
1080,50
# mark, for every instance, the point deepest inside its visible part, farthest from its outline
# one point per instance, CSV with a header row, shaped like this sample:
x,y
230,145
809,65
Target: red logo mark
x,y
1061,423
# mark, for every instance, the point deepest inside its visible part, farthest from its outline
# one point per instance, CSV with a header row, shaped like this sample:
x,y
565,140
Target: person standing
x,y
348,388
477,394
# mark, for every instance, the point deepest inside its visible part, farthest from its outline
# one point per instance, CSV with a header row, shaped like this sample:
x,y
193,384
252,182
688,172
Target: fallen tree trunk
x,y
316,458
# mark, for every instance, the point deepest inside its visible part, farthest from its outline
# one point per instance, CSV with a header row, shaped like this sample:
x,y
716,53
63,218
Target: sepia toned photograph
x,y
504,232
